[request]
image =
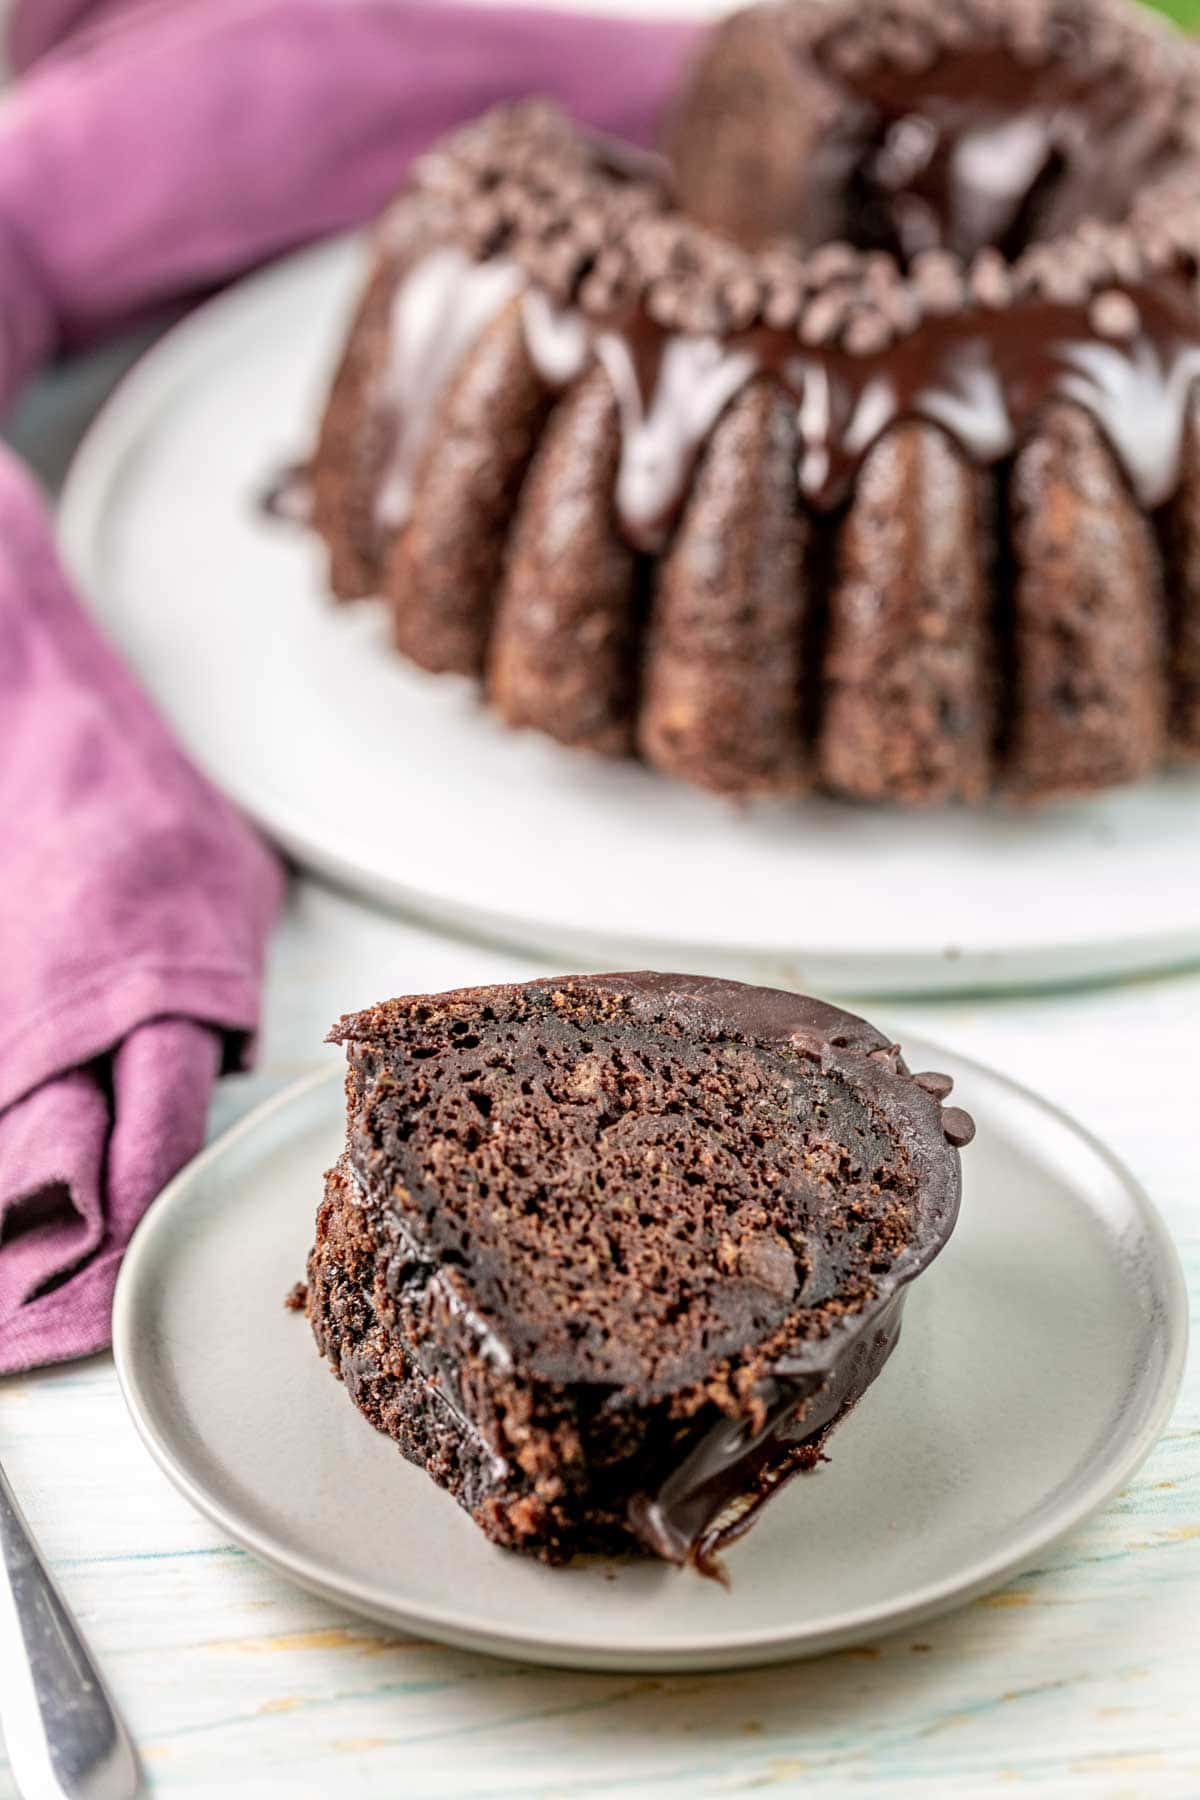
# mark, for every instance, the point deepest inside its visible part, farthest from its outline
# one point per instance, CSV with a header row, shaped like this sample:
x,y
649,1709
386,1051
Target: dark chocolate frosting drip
x,y
1129,357
1012,218
718,1490
1129,360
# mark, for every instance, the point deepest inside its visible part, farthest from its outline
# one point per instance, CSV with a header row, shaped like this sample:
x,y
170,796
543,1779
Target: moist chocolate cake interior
x,y
632,1213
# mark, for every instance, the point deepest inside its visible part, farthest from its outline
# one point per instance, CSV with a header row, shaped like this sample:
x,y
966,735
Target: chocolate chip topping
x,y
958,1125
604,230
770,1263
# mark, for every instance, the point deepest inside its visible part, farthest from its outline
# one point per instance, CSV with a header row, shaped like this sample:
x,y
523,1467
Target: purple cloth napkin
x,y
134,907
150,149
166,144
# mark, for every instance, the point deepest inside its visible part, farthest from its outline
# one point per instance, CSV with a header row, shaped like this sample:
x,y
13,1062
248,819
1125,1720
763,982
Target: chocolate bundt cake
x,y
609,1256
852,444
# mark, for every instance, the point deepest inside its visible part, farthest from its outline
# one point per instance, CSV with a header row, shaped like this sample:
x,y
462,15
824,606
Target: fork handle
x,y
64,1738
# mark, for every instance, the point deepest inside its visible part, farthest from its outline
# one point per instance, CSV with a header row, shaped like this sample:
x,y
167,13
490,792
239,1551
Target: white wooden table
x,y
1083,1678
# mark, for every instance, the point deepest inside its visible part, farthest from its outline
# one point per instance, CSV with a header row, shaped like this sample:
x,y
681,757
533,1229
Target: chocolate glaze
x,y
718,1490
712,1496
990,148
409,1257
359,1365
983,376
1011,198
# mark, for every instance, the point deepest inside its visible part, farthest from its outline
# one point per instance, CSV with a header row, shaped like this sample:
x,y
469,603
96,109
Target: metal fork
x,y
64,1737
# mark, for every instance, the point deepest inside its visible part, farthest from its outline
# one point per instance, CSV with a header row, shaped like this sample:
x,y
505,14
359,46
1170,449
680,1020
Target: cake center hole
x,y
983,150
910,152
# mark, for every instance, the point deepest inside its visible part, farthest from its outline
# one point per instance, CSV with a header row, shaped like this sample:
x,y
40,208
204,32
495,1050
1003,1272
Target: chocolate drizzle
x,y
716,1493
995,147
1014,209
985,376
982,374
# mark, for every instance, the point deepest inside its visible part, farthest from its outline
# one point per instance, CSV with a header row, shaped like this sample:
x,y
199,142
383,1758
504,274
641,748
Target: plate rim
x,y
744,1649
897,970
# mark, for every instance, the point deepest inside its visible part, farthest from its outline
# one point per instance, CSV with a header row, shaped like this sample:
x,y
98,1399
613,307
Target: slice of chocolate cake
x,y
609,1255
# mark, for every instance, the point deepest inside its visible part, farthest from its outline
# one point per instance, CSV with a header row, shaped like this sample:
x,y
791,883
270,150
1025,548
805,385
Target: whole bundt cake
x,y
852,444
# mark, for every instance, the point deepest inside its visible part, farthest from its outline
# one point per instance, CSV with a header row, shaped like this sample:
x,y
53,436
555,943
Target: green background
x,y
1185,12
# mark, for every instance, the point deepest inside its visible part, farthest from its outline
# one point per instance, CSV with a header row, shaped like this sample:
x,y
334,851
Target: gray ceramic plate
x,y
1040,1358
